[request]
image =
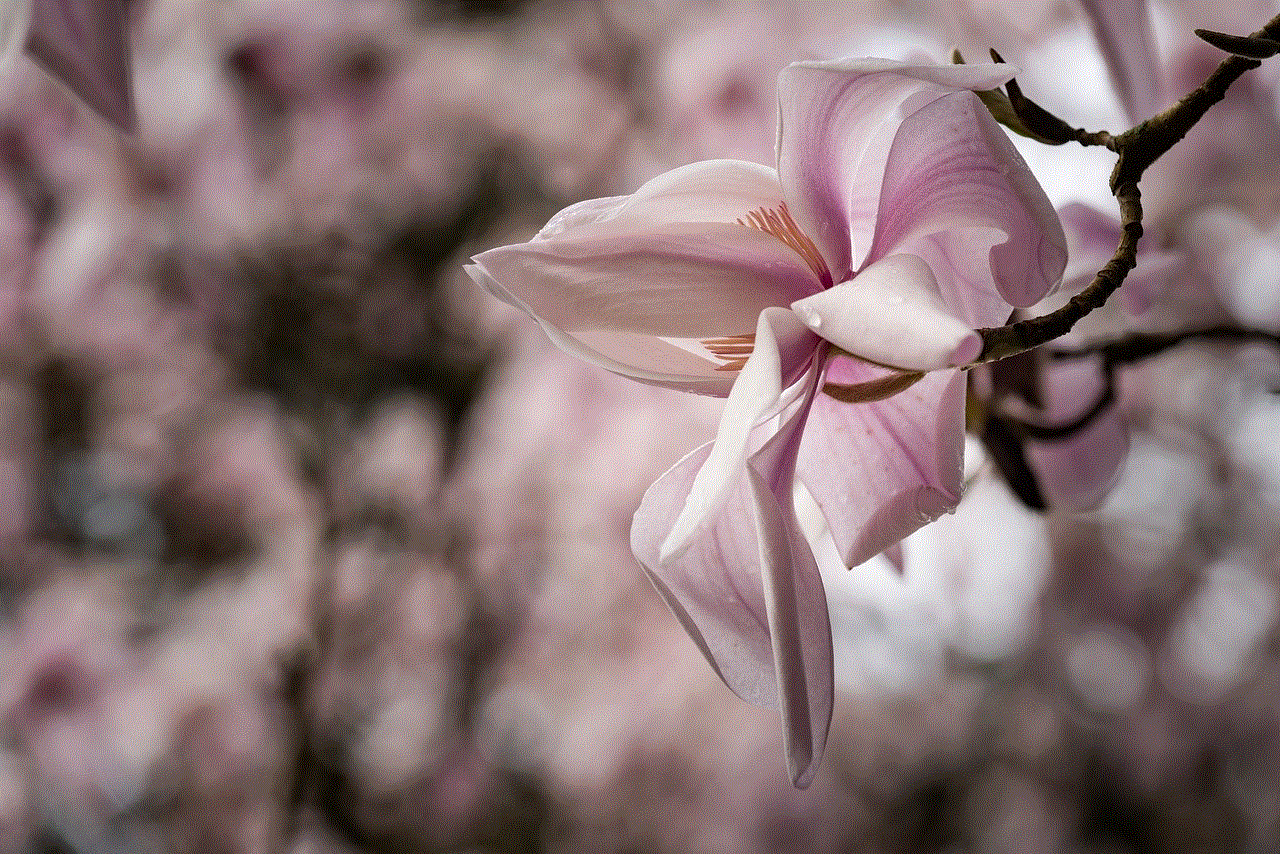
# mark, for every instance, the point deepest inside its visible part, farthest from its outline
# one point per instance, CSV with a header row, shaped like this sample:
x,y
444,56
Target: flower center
x,y
734,350
778,223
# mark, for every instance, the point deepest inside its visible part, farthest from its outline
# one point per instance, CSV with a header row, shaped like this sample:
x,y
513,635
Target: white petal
x,y
891,313
756,396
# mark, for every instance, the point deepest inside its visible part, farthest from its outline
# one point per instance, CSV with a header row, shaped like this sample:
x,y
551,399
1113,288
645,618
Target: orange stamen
x,y
732,350
778,223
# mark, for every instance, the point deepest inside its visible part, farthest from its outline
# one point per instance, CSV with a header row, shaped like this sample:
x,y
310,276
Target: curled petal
x,y
882,470
836,123
85,44
757,395
957,193
747,588
892,313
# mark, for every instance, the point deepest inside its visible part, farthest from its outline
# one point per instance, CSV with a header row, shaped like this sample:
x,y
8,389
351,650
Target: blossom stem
x,y
1136,149
1128,350
1139,346
1062,432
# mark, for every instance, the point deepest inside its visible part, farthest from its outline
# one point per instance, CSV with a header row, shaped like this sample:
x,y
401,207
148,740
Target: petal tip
x,y
478,274
969,348
676,543
802,770
683,533
809,314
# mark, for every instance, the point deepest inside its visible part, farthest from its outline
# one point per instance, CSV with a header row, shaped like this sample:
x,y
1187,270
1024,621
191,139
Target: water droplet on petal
x,y
811,317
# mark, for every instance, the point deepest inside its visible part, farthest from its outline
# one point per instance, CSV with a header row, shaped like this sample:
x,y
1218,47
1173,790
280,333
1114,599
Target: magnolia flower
x,y
831,301
82,43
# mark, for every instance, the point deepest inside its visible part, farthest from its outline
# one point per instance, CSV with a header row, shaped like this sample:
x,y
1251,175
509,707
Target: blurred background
x,y
308,545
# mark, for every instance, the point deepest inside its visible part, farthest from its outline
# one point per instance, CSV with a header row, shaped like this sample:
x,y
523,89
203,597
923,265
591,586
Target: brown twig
x,y
1136,149
1144,345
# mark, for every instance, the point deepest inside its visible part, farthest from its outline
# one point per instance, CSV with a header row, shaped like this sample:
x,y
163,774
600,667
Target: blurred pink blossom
x,y
1092,237
720,98
85,45
1078,468
1239,259
1123,31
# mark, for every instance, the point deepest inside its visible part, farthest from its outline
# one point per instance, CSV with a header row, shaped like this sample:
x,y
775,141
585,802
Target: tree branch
x,y
1136,149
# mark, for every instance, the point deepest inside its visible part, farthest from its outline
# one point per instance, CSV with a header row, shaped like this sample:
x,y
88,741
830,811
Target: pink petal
x,y
85,44
748,590
836,123
1123,31
1089,229
757,396
637,284
707,191
1092,237
892,313
882,470
957,193
1151,279
1080,470
586,212
642,305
